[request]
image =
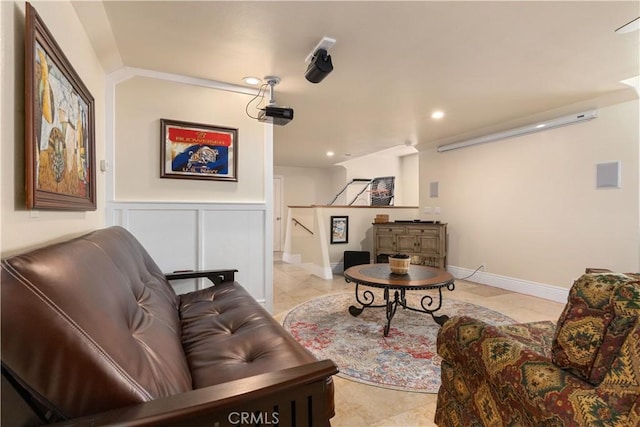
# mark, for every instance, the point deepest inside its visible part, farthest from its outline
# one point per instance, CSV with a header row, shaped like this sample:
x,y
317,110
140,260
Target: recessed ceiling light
x,y
252,80
330,153
437,115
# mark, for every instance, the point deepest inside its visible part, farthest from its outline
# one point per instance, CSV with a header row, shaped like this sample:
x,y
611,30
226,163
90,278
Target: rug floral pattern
x,y
404,360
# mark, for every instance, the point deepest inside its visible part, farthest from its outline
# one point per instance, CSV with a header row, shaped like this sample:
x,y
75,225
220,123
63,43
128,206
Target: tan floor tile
x,y
413,418
487,291
373,404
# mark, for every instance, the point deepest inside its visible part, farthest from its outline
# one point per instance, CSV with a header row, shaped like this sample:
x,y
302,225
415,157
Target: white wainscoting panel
x,y
202,236
235,239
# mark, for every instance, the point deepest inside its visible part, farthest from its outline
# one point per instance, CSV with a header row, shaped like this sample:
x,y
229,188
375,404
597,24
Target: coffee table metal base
x,y
428,304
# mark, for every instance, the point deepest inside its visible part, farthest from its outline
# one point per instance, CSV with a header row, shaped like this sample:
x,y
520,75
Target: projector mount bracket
x,y
272,81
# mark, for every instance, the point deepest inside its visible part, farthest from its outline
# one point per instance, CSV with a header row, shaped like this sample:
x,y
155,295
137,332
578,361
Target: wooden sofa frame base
x,y
290,397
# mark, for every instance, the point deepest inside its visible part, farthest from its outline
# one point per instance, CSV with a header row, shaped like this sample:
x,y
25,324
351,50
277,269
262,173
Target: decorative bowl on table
x,y
399,263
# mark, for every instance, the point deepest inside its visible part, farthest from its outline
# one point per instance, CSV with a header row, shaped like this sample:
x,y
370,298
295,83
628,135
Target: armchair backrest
x,y
620,386
601,311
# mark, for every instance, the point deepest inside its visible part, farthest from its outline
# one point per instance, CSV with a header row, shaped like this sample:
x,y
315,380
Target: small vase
x,y
399,264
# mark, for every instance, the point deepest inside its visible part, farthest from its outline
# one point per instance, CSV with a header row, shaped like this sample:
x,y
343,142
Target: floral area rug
x,y
404,360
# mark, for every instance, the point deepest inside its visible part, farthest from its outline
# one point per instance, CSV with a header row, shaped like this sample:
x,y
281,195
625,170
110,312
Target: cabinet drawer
x,y
390,230
424,231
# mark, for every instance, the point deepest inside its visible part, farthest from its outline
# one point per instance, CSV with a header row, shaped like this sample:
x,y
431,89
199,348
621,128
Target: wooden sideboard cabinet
x,y
424,240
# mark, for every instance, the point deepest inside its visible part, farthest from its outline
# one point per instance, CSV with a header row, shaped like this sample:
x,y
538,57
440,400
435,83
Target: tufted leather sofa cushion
x,y
91,324
226,335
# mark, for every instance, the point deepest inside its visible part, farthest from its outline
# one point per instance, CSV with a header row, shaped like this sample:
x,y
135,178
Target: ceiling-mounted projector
x,y
276,115
272,113
319,67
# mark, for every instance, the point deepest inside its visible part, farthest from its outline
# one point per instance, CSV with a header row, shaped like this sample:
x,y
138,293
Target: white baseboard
x,y
540,290
292,258
316,270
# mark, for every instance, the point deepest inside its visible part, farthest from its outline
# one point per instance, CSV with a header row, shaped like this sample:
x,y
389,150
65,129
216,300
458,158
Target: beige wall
x,y
379,165
409,191
315,252
360,226
528,208
306,186
318,186
22,229
140,104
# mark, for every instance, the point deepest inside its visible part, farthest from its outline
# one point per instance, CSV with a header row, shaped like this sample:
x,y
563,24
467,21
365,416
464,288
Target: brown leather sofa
x,y
93,334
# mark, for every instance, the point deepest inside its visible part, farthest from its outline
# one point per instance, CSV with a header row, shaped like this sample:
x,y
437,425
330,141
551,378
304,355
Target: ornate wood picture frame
x,y
60,153
198,151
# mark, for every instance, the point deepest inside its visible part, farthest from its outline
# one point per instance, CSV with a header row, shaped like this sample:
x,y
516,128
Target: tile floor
x,y
359,405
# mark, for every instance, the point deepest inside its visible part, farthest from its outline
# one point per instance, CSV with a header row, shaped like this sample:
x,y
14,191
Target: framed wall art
x,y
339,229
59,126
198,151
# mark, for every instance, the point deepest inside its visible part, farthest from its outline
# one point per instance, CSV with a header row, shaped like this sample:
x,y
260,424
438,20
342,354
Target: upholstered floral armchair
x,y
583,372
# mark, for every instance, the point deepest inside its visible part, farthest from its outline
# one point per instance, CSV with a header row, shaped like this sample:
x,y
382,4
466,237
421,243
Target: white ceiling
x,y
486,64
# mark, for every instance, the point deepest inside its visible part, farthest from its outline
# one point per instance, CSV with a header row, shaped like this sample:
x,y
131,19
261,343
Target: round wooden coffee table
x,y
418,278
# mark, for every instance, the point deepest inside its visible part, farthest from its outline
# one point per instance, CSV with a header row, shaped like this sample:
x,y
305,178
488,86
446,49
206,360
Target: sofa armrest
x,y
536,336
215,276
489,359
295,396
